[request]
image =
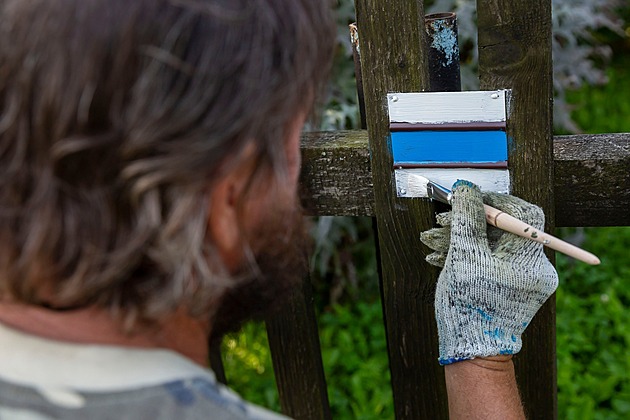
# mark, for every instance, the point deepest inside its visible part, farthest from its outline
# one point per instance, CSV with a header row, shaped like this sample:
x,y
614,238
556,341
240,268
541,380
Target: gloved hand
x,y
487,292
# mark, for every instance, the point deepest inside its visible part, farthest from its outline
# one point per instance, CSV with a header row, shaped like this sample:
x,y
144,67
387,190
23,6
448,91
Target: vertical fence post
x,y
393,60
216,363
296,356
358,73
515,53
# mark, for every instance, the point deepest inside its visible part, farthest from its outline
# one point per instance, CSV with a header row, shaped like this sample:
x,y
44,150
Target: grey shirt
x,y
46,379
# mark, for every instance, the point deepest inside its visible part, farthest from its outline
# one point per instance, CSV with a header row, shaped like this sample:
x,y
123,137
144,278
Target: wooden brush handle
x,y
511,224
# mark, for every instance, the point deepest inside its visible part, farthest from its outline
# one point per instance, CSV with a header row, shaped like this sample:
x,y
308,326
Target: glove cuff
x,y
477,335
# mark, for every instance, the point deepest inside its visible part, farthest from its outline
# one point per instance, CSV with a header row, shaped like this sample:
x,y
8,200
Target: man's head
x,y
148,148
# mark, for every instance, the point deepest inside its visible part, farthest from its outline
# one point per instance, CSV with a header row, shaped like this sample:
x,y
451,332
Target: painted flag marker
x,y
446,136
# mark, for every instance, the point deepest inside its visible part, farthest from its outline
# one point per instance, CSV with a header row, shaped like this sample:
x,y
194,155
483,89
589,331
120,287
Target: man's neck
x,y
179,333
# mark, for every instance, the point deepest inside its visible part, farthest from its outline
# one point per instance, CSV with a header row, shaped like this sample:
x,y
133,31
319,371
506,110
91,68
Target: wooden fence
x,y
581,180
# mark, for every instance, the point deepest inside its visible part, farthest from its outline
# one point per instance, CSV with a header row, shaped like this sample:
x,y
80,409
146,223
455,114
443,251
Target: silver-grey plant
x,y
575,50
575,53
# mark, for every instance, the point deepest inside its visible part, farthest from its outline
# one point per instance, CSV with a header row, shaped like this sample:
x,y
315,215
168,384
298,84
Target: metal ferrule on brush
x,y
439,193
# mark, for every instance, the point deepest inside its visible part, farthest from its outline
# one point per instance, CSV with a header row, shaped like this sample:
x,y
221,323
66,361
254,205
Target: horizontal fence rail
x,y
591,181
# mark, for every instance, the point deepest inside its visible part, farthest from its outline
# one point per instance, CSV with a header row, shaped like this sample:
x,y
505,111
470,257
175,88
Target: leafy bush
x,y
593,334
354,353
248,368
607,108
343,266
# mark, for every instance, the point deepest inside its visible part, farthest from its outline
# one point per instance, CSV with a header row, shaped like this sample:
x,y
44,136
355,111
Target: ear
x,y
224,214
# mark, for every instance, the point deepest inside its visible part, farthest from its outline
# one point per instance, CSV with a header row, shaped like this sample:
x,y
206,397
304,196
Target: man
x,y
149,155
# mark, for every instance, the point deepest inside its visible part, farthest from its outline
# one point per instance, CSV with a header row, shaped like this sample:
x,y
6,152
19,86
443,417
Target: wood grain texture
x,y
515,53
336,178
296,357
393,60
591,177
592,180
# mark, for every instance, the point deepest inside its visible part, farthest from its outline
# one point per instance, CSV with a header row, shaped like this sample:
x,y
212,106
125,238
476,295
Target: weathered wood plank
x,y
592,180
393,60
515,53
297,359
336,178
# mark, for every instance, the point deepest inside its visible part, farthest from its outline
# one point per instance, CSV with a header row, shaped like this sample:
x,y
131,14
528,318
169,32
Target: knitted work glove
x,y
488,291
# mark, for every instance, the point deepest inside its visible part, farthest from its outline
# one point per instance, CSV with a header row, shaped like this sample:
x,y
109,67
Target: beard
x,y
277,265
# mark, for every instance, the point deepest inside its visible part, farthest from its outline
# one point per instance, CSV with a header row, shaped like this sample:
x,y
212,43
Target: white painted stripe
x,y
496,180
447,107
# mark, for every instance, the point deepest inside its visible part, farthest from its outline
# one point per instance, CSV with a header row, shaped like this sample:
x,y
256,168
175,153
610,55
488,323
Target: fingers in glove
x,y
438,239
468,225
444,219
512,245
437,259
494,234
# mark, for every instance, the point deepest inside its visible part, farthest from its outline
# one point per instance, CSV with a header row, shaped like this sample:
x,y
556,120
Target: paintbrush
x,y
504,221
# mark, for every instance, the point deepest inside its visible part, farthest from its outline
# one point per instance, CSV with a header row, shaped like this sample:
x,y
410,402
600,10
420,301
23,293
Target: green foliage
x,y
342,110
606,109
343,266
592,341
593,333
248,368
593,317
354,354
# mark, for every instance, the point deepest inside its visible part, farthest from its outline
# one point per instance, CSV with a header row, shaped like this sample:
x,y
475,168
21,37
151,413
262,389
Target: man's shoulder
x,y
46,379
201,398
186,399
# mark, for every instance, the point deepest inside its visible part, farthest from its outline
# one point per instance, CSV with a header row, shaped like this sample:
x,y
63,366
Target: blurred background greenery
x,y
593,317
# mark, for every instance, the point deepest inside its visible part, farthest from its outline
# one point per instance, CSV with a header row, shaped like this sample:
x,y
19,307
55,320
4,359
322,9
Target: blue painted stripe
x,y
449,146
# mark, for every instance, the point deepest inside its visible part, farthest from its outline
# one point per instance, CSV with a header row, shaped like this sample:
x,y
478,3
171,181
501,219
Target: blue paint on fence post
x,y
426,147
